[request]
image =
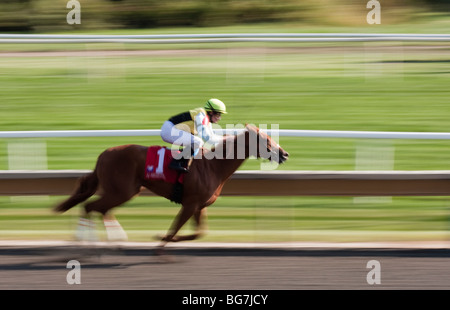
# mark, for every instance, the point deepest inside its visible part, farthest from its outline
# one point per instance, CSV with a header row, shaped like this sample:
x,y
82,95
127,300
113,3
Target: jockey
x,y
191,129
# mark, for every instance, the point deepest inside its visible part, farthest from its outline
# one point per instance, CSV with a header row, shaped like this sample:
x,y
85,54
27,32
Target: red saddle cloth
x,y
157,165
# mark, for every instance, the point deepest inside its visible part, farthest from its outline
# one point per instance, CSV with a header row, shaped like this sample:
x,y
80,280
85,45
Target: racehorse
x,y
119,176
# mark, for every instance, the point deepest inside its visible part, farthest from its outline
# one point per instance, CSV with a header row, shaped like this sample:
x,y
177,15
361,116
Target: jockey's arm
x,y
205,131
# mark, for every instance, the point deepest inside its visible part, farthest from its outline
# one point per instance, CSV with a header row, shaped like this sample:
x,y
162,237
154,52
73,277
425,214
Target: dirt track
x,y
223,268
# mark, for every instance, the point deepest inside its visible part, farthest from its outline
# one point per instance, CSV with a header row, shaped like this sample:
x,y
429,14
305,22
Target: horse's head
x,y
264,146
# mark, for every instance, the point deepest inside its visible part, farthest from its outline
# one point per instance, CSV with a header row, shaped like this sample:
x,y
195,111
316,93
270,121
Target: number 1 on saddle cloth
x,y
157,167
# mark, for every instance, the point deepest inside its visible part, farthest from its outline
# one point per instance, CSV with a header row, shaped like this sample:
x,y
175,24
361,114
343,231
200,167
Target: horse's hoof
x,y
159,237
165,239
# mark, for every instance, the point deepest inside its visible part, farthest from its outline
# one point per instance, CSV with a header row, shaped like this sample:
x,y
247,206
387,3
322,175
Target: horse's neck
x,y
224,166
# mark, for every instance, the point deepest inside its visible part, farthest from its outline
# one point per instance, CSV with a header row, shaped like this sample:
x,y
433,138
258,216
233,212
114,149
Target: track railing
x,y
265,183
261,183
224,38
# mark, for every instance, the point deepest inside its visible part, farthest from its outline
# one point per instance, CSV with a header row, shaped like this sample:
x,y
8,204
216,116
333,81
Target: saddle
x,y
157,168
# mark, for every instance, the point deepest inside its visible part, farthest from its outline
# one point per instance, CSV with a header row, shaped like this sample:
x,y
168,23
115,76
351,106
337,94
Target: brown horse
x,y
119,175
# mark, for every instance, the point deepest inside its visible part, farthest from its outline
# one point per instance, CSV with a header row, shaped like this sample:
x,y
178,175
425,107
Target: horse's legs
x,y
183,216
114,230
105,203
199,218
85,229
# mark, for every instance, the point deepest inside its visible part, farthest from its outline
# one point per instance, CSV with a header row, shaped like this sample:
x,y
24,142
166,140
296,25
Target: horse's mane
x,y
227,139
231,140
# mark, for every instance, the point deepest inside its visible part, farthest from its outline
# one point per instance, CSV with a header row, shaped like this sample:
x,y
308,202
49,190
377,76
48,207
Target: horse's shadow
x,y
88,259
59,264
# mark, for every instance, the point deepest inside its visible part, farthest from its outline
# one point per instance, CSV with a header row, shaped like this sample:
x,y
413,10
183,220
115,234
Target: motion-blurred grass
x,y
248,219
394,87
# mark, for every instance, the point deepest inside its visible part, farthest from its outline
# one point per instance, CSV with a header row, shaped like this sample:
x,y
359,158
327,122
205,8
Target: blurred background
x,y
374,86
46,15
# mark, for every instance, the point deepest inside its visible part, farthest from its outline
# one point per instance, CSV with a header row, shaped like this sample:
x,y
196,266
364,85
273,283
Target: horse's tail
x,y
87,186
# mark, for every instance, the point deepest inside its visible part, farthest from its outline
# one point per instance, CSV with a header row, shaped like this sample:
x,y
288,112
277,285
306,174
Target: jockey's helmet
x,y
215,105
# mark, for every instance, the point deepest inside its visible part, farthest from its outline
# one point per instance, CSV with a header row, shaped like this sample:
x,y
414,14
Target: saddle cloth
x,y
157,165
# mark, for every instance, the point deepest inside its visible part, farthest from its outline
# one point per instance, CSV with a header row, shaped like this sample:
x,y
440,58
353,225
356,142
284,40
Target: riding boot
x,y
183,164
180,164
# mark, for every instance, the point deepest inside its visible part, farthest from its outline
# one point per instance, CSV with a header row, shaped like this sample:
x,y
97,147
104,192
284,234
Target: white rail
x,y
222,38
261,183
281,133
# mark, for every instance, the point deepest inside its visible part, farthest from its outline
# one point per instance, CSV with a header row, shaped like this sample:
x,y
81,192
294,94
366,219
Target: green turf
x,y
249,219
388,87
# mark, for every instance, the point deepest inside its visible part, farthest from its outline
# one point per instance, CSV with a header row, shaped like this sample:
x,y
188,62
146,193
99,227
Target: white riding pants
x,y
173,135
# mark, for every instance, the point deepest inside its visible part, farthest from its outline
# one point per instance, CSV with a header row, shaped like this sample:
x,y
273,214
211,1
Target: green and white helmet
x,y
215,105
